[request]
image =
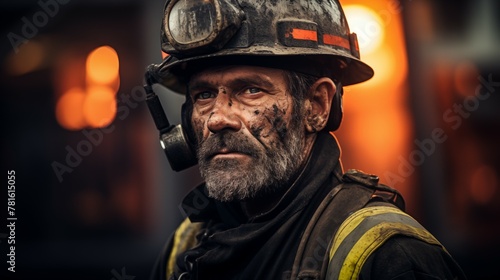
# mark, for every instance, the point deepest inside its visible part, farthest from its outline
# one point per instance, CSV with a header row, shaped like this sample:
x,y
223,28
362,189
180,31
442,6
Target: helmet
x,y
305,36
308,36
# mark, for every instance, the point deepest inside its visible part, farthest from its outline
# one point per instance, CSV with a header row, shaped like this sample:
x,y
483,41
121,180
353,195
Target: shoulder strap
x,y
365,231
354,193
184,239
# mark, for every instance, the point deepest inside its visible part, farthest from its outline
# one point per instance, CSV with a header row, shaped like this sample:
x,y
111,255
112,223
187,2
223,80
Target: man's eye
x,y
204,95
253,90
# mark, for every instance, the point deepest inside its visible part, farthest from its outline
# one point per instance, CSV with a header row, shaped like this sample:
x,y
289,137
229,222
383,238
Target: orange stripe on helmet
x,y
304,34
336,41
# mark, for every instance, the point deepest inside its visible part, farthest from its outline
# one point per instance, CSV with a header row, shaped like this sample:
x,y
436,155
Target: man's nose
x,y
223,115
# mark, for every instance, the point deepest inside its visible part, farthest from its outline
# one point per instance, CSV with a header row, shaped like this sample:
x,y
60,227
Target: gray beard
x,y
269,169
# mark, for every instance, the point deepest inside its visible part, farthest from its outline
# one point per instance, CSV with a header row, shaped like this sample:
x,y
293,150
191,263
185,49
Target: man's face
x,y
249,143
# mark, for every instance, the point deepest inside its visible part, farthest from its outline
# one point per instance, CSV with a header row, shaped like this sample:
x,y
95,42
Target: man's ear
x,y
318,104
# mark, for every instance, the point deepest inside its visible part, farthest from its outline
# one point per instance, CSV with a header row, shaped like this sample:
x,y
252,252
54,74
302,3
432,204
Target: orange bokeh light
x,y
103,66
69,112
95,105
465,78
99,108
29,58
484,184
376,130
368,26
385,54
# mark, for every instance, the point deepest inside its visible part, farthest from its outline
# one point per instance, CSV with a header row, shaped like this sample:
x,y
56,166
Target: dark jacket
x,y
228,246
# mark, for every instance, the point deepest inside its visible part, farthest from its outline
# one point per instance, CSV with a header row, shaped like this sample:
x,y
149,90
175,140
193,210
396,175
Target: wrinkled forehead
x,y
186,71
237,71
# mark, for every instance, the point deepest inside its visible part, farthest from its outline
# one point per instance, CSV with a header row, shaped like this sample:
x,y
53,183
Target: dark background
x,y
111,215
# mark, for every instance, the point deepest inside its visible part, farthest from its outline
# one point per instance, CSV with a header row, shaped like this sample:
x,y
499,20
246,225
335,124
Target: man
x,y
263,83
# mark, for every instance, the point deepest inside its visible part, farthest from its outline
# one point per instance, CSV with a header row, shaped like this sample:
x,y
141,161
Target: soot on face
x,y
278,123
275,117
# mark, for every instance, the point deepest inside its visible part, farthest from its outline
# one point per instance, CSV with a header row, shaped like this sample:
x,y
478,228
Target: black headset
x,y
178,141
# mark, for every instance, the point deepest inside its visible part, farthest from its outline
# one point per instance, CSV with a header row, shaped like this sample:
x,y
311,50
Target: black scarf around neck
x,y
231,247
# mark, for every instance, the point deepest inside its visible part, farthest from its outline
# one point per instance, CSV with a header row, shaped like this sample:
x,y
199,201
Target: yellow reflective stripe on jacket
x,y
365,231
184,238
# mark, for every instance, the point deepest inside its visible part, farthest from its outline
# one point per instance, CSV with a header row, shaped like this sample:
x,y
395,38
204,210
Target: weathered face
x,y
248,140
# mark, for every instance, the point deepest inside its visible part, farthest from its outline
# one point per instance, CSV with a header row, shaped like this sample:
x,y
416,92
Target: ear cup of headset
x,y
336,112
178,144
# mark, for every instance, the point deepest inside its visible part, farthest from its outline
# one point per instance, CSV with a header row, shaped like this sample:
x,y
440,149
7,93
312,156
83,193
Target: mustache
x,y
229,141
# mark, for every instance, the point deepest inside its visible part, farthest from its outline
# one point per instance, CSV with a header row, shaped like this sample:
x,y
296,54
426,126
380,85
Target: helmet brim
x,y
316,62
